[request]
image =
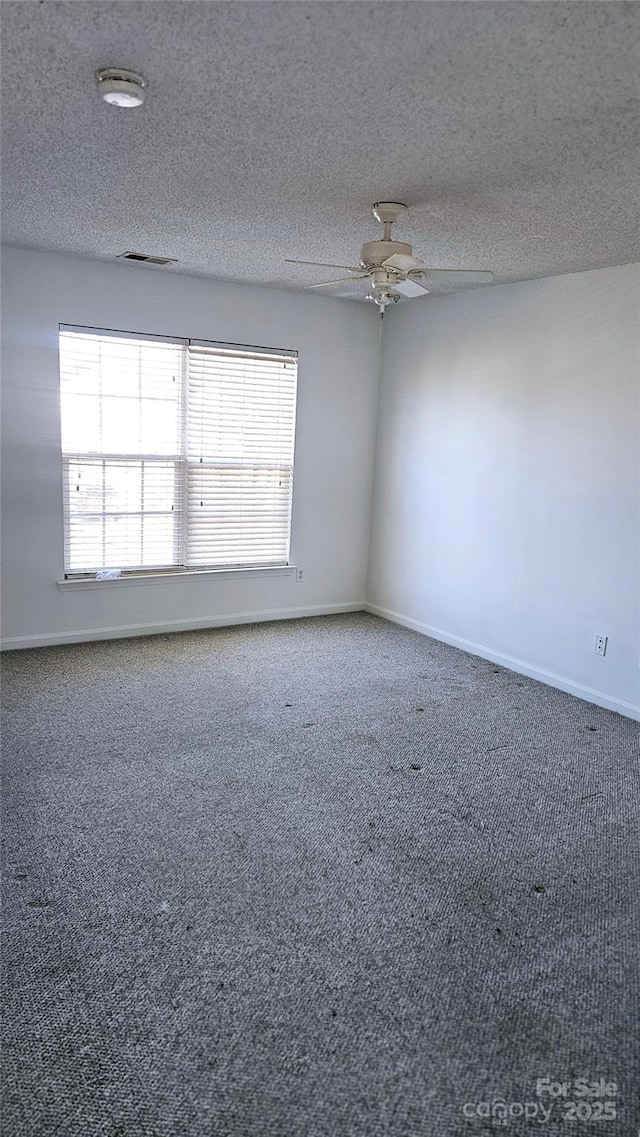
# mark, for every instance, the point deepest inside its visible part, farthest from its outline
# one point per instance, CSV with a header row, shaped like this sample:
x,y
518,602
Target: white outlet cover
x,y
600,645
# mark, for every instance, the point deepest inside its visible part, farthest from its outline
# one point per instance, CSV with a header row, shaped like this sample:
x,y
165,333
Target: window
x,y
177,454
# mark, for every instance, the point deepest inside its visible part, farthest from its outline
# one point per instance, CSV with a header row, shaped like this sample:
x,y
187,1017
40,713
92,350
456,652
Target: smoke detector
x,y
121,88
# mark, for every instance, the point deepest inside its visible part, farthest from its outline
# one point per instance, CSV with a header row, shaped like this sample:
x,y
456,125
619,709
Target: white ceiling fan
x,y
390,265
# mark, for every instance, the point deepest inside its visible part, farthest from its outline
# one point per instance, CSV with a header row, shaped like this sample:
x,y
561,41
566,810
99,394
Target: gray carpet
x,y
318,878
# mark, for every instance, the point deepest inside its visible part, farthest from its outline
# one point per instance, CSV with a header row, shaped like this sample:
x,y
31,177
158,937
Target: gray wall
x,y
337,392
506,514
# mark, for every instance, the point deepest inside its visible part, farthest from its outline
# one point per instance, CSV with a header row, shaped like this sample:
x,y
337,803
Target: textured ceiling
x,y
510,129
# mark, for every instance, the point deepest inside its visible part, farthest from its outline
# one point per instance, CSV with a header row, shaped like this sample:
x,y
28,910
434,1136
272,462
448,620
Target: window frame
x,y
92,578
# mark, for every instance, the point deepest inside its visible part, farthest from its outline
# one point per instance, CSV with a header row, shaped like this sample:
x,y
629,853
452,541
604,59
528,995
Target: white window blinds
x,y
177,454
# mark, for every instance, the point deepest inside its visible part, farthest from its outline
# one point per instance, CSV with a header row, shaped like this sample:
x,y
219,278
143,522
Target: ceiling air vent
x,y
147,259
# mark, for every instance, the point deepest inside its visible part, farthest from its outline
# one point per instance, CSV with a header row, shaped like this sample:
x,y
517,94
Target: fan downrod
x,y
386,212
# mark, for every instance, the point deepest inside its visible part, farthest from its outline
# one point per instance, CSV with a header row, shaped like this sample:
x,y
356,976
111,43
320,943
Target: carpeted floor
x,y
318,878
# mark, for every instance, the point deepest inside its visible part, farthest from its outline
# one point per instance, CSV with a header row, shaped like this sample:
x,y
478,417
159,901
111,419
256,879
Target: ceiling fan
x,y
390,265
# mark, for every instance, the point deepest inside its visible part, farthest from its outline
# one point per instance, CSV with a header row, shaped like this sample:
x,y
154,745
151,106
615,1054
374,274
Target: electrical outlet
x,y
600,645
300,577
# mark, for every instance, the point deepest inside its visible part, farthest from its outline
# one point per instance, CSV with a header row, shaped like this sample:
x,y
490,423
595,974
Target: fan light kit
x,y
121,88
391,266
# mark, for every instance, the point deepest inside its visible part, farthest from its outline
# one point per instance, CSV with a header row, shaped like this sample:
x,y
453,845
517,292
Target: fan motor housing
x,y
375,252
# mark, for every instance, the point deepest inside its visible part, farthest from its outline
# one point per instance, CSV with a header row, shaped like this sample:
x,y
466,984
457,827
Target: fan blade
x,y
341,280
323,264
410,287
402,262
457,275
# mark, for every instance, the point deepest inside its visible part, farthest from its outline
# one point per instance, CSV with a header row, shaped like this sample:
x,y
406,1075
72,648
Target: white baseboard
x,y
129,630
512,664
519,665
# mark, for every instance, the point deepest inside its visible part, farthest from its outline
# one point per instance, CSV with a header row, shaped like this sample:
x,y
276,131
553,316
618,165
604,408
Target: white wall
x,y
506,509
337,392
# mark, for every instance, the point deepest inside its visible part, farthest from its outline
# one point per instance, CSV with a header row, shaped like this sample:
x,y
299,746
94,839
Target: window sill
x,y
164,577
